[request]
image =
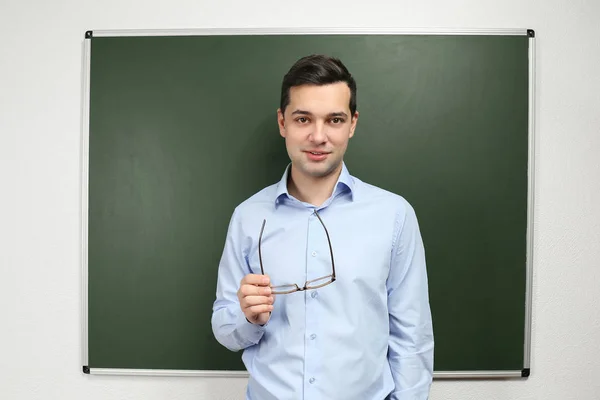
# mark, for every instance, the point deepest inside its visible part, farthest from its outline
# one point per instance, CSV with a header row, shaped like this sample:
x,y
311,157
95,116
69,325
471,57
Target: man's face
x,y
317,126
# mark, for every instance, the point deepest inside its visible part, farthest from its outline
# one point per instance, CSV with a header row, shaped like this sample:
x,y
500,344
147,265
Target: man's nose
x,y
318,134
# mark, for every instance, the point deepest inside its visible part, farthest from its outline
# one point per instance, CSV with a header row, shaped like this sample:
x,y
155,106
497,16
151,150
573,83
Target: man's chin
x,y
319,170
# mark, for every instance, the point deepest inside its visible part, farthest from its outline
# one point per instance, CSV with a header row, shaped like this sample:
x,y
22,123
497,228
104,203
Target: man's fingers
x,y
257,300
254,279
252,290
263,308
255,296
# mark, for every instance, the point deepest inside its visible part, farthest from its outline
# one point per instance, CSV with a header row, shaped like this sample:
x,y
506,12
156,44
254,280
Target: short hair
x,y
317,69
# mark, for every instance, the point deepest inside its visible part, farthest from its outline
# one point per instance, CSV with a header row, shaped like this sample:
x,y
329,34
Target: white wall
x,y
40,102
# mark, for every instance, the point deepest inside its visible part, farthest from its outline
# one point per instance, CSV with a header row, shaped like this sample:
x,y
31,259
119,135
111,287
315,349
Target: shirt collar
x,y
345,182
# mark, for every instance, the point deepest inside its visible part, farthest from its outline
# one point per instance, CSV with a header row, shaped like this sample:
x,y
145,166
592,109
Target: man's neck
x,y
312,190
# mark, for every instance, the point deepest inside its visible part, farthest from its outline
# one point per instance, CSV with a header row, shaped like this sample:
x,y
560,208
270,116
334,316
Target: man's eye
x,y
302,120
337,120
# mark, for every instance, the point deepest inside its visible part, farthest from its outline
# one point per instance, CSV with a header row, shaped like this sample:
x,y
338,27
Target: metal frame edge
x,y
85,132
530,208
307,31
245,374
477,374
168,372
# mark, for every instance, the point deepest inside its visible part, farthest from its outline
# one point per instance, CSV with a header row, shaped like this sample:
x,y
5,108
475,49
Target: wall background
x,y
40,138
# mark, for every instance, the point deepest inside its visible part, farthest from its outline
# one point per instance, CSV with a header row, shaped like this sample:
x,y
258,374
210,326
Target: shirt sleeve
x,y
229,324
411,343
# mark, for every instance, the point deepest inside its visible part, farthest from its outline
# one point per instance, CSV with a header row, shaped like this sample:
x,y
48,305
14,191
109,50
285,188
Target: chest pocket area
x,y
363,263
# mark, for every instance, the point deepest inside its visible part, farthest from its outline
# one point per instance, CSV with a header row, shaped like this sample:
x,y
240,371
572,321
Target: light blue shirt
x,y
366,336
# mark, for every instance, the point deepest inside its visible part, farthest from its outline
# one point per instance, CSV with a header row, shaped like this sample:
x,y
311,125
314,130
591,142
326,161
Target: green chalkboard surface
x,y
181,128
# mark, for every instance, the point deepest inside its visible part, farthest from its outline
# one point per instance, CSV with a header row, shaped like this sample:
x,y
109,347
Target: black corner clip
x,y
86,369
530,33
525,372
89,34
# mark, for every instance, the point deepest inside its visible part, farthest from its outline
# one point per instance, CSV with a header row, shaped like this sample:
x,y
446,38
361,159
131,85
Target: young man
x,y
322,280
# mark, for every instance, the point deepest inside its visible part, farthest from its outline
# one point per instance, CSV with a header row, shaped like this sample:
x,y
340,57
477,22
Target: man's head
x,y
317,114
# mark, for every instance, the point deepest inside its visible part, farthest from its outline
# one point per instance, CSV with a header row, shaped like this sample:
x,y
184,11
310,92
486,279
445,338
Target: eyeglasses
x,y
308,285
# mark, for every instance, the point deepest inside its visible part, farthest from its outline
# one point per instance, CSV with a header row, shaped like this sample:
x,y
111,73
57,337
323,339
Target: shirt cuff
x,y
249,331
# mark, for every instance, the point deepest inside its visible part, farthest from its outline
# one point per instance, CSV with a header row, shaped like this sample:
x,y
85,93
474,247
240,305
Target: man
x,y
322,280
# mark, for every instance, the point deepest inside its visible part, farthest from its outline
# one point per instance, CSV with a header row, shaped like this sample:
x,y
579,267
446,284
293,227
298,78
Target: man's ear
x,y
353,123
281,123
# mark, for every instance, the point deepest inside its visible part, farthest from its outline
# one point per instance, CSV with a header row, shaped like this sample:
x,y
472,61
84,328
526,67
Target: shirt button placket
x,y
312,361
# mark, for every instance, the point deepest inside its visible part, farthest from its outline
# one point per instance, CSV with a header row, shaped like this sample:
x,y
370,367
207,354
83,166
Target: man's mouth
x,y
316,155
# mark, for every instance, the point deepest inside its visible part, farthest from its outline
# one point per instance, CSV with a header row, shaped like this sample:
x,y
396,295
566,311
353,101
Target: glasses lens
x,y
319,282
283,289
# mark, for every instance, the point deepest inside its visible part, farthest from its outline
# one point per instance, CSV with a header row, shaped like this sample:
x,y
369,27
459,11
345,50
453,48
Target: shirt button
x,y
313,295
313,336
312,380
314,253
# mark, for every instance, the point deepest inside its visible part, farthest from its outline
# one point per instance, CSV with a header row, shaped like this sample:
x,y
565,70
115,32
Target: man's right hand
x,y
256,300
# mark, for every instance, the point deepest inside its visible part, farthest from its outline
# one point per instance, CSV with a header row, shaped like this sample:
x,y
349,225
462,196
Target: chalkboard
x,y
180,127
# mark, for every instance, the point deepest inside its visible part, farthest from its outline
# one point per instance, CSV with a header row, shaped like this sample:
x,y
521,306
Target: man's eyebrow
x,y
301,112
333,114
338,114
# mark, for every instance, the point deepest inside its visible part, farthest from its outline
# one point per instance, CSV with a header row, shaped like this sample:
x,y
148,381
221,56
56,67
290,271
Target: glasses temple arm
x,y
330,248
259,250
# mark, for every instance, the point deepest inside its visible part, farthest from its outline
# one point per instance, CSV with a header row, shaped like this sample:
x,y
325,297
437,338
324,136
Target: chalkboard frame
x,y
524,373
